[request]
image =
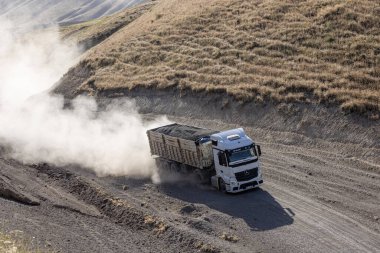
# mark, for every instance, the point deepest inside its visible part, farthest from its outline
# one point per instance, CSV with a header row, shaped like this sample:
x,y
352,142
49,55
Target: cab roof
x,y
231,139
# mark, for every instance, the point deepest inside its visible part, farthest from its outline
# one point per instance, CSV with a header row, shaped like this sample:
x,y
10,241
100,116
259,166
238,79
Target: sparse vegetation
x,y
260,50
206,248
15,244
158,226
229,238
91,33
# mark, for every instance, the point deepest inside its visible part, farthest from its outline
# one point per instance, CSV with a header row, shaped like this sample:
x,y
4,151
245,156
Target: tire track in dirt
x,y
335,196
336,182
339,231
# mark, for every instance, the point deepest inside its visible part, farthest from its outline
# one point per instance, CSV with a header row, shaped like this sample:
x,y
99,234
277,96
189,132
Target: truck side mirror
x,y
222,159
258,150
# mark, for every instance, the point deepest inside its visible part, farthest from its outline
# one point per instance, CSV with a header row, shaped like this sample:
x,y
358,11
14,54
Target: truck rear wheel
x,y
162,164
202,176
174,168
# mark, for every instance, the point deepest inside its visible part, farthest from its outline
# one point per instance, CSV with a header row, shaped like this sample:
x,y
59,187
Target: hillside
x,y
45,12
313,52
90,33
302,79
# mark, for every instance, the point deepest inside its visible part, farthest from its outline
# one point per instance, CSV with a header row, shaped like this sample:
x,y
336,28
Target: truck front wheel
x,y
222,185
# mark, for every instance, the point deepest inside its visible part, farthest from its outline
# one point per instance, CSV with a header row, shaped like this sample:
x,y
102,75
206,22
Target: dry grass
x,y
15,244
229,238
91,33
206,248
158,226
309,51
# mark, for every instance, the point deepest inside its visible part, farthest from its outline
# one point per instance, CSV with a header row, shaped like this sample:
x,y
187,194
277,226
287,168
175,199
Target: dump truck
x,y
229,160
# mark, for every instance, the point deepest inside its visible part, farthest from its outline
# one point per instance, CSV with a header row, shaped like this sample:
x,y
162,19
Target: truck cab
x,y
236,161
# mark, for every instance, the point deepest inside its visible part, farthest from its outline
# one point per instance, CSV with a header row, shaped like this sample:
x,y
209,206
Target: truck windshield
x,y
240,155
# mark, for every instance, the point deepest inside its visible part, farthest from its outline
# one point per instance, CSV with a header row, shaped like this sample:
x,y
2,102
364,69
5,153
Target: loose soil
x,y
320,194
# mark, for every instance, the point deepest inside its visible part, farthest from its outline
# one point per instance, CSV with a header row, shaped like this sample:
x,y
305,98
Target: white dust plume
x,y
37,128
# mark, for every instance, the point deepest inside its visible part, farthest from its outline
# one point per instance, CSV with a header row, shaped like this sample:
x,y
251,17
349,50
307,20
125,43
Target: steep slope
x,y
45,12
90,33
308,52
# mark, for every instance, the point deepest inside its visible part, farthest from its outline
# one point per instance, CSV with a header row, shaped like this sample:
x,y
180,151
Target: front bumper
x,y
244,186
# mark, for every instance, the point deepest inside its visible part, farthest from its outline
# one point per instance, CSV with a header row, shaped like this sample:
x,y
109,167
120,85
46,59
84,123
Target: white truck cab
x,y
236,161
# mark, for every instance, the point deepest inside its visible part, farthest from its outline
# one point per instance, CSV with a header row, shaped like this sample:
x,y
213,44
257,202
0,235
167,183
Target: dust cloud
x,y
35,127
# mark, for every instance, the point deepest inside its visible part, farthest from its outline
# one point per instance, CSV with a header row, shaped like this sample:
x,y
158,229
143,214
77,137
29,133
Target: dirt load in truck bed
x,y
184,132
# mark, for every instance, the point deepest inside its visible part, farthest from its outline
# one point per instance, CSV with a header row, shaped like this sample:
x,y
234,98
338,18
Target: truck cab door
x,y
220,161
223,172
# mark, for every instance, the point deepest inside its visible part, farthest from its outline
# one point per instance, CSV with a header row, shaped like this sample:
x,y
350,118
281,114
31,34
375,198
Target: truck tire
x,y
174,168
162,164
201,176
222,185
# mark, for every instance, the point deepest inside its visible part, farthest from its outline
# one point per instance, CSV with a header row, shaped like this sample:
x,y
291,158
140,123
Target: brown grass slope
x,y
90,33
290,51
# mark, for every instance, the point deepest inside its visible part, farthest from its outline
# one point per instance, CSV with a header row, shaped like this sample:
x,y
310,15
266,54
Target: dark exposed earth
x,y
318,196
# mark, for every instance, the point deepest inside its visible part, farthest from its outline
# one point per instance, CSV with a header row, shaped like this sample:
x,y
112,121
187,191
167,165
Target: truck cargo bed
x,y
181,143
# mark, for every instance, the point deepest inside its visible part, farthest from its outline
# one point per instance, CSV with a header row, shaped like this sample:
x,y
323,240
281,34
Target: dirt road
x,y
317,197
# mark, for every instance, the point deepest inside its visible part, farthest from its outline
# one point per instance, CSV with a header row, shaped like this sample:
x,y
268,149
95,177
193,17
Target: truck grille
x,y
246,175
